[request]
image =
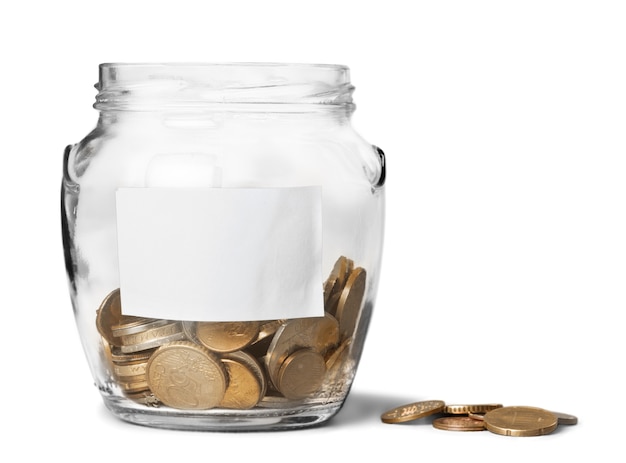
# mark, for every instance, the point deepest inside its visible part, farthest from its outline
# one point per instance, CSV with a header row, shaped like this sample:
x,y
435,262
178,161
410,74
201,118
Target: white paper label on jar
x,y
220,254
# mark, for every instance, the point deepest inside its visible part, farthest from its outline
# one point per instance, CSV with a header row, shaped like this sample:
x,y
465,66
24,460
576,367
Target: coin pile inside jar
x,y
518,421
235,365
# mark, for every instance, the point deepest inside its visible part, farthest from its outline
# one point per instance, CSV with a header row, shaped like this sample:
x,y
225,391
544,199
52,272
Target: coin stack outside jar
x,y
518,421
197,365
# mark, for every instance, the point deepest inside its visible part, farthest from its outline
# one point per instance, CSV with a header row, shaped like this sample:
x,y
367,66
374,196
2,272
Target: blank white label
x,y
220,254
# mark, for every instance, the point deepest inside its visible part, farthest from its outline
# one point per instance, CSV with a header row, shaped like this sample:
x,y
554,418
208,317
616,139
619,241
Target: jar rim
x,y
253,64
133,84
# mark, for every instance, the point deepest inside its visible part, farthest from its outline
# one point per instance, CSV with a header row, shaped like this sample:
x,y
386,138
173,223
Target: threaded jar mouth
x,y
149,86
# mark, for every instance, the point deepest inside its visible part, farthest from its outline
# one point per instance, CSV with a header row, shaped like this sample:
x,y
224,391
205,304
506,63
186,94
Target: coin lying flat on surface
x,y
565,418
458,423
413,411
471,408
520,421
516,421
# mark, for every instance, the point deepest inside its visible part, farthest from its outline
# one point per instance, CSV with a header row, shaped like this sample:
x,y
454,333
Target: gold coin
x,y
244,387
473,408
413,411
317,333
130,370
108,314
520,421
119,357
273,399
349,305
336,282
329,287
325,335
188,376
134,325
133,387
253,364
301,374
152,338
333,357
267,329
565,418
458,423
226,336
341,270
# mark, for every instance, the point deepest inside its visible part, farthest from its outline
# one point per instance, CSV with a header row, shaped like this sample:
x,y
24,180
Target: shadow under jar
x,y
223,228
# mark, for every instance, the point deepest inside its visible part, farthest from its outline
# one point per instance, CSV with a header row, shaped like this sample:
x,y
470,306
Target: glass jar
x,y
223,229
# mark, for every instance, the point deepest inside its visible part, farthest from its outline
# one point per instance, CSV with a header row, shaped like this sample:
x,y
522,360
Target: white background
x,y
505,258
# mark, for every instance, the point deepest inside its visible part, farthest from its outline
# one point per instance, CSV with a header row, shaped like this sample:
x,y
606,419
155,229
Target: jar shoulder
x,y
126,155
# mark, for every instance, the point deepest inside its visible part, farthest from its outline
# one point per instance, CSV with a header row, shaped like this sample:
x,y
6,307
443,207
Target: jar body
x,y
299,369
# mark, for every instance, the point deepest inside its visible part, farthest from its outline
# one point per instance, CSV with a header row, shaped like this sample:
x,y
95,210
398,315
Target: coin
x,y
317,333
325,335
565,418
151,338
267,329
330,287
255,366
133,387
458,423
413,411
185,375
134,325
273,399
108,314
341,270
349,305
301,374
226,336
282,360
520,421
244,388
119,357
336,282
130,370
338,353
472,408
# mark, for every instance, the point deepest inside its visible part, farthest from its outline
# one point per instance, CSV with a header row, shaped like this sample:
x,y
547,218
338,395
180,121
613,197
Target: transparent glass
x,y
228,126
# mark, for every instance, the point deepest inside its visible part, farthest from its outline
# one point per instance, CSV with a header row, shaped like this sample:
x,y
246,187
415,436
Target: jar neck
x,y
226,87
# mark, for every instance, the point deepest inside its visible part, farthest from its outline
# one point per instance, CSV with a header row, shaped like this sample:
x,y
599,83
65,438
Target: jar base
x,y
258,419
